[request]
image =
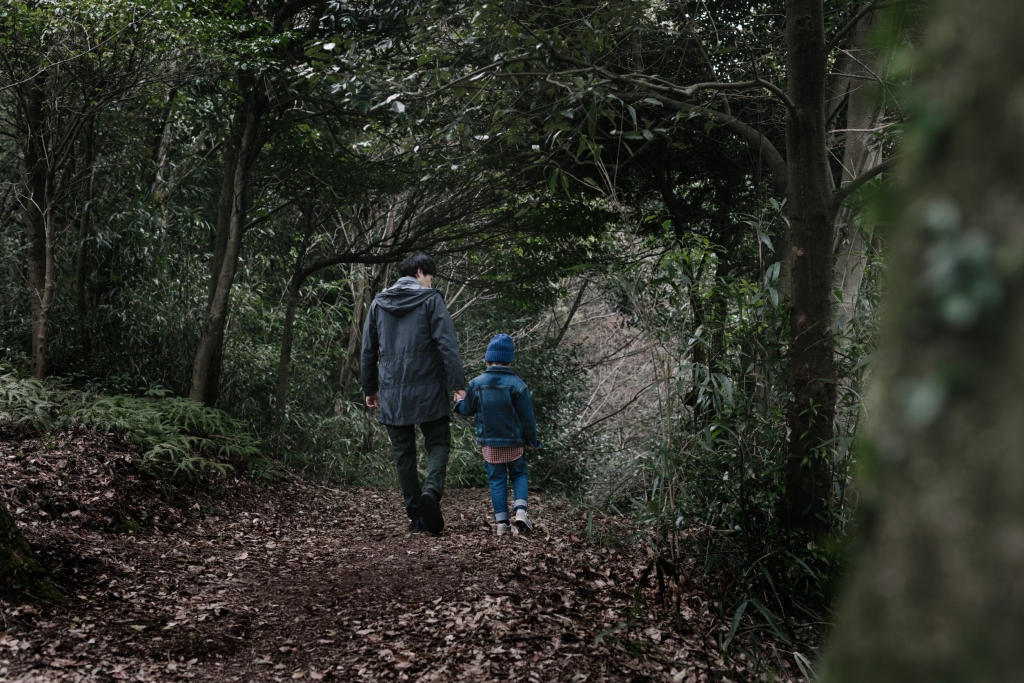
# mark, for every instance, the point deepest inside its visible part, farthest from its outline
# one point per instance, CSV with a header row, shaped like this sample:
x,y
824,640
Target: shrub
x,y
178,438
25,402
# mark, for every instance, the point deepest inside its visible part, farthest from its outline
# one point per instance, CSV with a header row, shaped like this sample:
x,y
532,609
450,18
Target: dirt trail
x,y
299,581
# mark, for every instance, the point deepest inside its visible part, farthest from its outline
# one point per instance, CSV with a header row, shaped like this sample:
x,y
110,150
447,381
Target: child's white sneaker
x,y
523,520
504,528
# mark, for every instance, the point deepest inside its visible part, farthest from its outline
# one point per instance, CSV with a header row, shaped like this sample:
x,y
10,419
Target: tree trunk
x,y
284,363
812,369
355,329
161,144
938,594
862,114
39,229
82,259
20,571
225,204
206,368
226,198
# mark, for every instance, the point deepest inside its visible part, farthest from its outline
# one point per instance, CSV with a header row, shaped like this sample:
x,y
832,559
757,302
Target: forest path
x,y
300,581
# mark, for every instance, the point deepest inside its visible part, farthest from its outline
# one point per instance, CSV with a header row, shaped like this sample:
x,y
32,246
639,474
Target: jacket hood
x,y
403,296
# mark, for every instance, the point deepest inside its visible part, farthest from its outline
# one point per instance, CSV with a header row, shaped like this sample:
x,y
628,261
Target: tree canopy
x,y
677,209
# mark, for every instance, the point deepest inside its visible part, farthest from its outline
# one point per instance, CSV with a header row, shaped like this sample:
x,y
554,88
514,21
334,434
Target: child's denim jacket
x,y
504,412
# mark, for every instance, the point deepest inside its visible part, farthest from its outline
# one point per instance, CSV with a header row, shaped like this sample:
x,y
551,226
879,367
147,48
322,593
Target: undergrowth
x,y
178,438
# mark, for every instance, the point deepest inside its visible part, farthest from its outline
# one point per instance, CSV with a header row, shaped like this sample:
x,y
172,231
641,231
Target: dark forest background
x,y
677,209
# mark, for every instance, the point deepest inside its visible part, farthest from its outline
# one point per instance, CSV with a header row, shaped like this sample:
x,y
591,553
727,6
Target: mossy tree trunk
x,y
938,593
21,575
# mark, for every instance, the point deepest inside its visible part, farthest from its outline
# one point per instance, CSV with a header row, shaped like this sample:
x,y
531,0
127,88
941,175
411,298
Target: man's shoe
x,y
417,525
503,528
523,521
431,509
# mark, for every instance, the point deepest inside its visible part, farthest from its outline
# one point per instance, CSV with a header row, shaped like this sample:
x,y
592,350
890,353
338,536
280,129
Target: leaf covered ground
x,y
303,581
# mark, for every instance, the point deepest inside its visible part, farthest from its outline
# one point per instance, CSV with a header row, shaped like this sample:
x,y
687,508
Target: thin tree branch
x,y
848,188
572,312
852,24
655,84
259,219
749,134
833,43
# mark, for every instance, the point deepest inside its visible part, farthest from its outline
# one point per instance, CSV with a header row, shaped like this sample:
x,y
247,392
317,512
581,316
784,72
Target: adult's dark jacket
x,y
410,354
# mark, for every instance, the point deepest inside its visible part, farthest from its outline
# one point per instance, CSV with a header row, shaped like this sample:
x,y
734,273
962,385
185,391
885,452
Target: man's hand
x,y
458,395
373,401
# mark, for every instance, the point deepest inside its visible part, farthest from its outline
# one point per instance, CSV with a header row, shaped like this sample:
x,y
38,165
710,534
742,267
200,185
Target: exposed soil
x,y
297,580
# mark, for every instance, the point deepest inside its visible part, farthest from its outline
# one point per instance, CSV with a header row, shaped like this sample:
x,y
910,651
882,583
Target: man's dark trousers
x,y
437,436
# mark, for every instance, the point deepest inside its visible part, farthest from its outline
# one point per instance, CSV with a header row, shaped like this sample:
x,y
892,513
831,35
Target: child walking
x,y
505,428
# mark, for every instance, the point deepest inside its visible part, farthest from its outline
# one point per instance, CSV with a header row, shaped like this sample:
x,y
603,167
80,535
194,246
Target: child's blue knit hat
x,y
501,349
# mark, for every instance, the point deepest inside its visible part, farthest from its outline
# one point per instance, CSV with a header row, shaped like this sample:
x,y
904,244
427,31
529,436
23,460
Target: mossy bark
x,y
21,575
938,591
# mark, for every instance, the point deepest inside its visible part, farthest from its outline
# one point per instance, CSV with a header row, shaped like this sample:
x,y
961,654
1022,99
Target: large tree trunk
x,y
225,204
206,368
862,152
938,593
812,368
21,575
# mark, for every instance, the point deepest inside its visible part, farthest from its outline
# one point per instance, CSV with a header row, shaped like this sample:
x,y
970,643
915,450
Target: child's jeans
x,y
498,476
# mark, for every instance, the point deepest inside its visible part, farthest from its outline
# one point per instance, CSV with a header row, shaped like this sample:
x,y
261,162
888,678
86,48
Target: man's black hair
x,y
415,263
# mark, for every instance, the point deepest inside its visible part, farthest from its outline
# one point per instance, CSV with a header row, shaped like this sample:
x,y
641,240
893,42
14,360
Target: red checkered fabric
x,y
497,455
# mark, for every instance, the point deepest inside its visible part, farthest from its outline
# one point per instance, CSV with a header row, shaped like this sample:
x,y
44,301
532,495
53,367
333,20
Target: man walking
x,y
410,357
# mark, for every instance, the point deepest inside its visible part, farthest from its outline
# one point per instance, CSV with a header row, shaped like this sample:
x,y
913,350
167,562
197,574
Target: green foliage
x,y
507,139
25,402
712,500
466,467
346,445
557,382
179,439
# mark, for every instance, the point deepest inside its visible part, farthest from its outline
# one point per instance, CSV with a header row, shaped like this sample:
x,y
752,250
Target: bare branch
x,y
662,86
749,134
872,6
848,188
572,313
841,33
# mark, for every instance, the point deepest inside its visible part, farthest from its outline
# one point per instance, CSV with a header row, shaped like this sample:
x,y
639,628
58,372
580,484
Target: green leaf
x,y
735,625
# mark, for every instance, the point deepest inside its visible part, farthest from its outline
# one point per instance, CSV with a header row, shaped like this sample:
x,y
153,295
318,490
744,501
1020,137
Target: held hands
x,y
373,401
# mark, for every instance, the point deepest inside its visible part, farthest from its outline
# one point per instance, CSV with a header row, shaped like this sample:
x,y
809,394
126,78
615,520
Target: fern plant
x,y
179,438
25,401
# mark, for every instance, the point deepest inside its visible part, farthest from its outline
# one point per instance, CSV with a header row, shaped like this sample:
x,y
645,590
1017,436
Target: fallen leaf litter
x,y
302,581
